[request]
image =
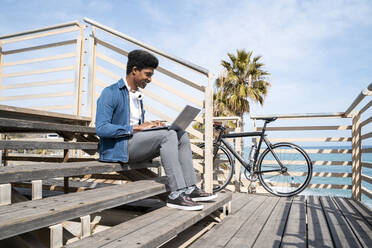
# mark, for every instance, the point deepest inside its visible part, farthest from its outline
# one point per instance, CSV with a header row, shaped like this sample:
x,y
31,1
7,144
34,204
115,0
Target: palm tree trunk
x,y
250,84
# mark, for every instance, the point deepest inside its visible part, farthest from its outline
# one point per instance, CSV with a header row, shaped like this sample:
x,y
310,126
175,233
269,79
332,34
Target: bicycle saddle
x,y
267,119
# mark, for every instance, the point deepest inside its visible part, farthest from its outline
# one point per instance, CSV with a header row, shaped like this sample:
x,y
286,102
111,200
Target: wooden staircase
x,y
19,219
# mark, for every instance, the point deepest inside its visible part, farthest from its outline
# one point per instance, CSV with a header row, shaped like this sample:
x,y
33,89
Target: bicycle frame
x,y
222,138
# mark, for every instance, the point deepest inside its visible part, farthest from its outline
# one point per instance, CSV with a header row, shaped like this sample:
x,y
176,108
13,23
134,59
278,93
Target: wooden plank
x,y
244,207
295,230
361,228
11,125
46,159
33,72
37,84
365,122
39,115
310,128
108,73
54,107
33,48
53,210
367,106
367,164
56,236
327,139
139,232
367,136
367,192
356,154
181,79
118,231
318,231
112,61
5,194
367,179
300,116
168,227
27,172
37,190
272,232
177,92
54,32
36,96
367,150
162,100
362,209
310,151
254,225
58,185
11,144
343,163
42,59
63,25
341,233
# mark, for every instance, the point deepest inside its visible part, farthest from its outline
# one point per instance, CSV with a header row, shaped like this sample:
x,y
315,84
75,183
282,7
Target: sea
x,y
366,157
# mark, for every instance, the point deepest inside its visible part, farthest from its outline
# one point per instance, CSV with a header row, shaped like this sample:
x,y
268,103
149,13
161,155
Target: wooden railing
x,y
168,92
336,143
43,68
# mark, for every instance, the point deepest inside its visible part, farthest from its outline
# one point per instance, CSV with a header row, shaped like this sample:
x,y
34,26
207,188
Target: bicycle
x,y
278,174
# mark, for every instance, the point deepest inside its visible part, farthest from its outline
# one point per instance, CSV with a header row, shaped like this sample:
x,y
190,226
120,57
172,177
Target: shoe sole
x,y
208,198
190,208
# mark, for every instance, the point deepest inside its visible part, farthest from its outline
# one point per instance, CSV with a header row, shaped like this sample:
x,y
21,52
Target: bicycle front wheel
x,y
285,170
223,167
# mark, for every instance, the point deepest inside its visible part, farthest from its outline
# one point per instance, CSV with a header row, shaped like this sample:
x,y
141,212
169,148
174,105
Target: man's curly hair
x,y
141,59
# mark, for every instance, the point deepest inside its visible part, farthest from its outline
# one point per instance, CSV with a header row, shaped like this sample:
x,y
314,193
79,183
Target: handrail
x,y
308,115
63,25
360,97
148,47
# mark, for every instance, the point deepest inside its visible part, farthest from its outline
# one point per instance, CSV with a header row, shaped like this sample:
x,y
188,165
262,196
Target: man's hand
x,y
148,124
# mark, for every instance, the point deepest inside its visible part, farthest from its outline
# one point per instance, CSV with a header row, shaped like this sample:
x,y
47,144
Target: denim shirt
x,y
113,123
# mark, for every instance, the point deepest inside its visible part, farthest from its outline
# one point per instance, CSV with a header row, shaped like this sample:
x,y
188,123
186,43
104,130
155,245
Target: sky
x,y
317,52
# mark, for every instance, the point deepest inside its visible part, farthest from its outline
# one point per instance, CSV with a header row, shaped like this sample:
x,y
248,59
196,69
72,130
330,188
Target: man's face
x,y
142,77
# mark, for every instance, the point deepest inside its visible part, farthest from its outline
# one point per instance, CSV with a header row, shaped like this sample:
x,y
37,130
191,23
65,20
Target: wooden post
x,y
356,153
56,236
85,226
65,179
79,65
91,109
238,166
208,137
5,194
1,78
37,189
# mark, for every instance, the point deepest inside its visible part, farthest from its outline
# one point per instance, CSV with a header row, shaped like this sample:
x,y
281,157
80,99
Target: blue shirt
x,y
113,123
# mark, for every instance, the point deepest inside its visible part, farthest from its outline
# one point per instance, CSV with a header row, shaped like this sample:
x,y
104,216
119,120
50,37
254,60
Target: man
x,y
120,124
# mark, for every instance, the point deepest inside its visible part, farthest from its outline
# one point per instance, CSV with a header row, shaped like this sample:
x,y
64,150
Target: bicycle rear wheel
x,y
223,168
290,180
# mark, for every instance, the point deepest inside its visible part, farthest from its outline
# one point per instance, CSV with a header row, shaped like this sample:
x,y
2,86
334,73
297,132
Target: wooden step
x,y
16,144
152,229
19,173
40,115
17,125
23,217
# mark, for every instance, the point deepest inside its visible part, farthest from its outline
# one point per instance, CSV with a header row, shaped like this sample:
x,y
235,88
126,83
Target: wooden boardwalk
x,y
301,221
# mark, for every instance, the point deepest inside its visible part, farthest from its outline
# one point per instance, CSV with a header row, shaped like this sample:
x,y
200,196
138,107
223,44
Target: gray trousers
x,y
174,150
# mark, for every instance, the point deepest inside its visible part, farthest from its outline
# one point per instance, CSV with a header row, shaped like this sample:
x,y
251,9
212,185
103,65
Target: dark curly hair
x,y
141,59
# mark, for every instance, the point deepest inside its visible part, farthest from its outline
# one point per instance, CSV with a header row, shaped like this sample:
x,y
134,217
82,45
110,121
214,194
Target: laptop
x,y
182,121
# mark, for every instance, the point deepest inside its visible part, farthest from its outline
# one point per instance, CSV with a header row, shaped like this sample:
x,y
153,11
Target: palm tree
x,y
243,80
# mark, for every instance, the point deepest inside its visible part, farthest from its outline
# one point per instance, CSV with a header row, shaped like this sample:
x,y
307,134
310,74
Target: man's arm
x,y
105,110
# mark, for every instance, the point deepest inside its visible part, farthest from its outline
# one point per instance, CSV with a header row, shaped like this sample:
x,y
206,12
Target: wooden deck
x,y
302,221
